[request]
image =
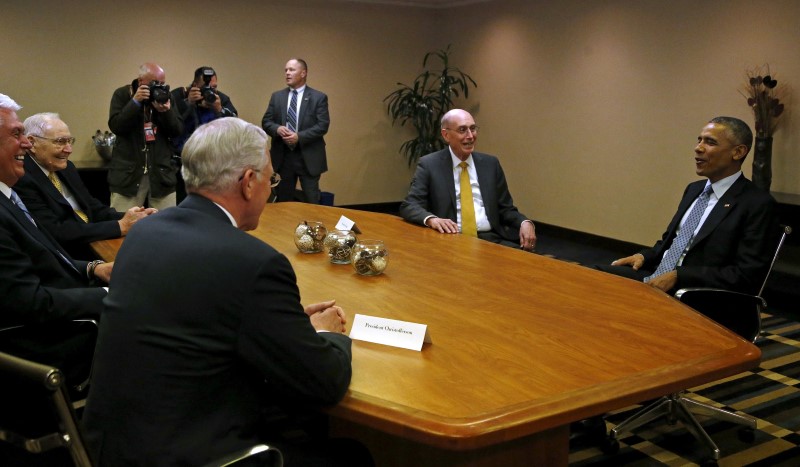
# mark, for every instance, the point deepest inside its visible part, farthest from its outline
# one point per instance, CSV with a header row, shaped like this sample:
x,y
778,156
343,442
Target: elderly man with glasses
x,y
456,177
57,198
187,368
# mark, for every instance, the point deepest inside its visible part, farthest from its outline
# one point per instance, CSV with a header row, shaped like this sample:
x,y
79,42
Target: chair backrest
x,y
42,417
739,312
785,231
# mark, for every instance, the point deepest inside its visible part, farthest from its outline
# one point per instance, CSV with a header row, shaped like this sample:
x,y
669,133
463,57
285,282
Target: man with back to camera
x,y
198,103
297,119
186,367
59,201
722,234
42,287
434,199
144,119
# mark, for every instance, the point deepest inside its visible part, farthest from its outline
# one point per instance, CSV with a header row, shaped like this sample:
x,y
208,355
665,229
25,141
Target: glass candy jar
x,y
309,236
370,257
339,244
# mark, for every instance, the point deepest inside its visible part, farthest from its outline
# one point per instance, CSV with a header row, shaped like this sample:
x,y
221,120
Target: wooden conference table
x,y
522,344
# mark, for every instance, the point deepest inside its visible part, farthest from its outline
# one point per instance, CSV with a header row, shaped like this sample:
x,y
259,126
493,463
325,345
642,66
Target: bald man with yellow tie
x,y
457,190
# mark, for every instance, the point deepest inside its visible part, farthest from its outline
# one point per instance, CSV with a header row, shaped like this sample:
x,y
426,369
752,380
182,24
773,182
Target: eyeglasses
x,y
274,179
462,130
63,141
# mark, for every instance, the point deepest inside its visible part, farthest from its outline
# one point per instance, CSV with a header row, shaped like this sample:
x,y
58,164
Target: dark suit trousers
x,y
294,167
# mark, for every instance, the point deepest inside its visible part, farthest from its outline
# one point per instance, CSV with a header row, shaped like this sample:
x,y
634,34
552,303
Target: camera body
x,y
158,92
208,93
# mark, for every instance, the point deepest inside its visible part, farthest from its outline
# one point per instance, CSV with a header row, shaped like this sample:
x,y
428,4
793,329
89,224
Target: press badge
x,y
149,132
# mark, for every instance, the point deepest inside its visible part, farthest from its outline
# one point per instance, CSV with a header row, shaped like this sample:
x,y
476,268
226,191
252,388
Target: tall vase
x,y
762,162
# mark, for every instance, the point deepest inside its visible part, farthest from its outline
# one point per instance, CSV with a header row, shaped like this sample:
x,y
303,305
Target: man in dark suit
x,y
297,119
435,200
59,201
187,367
734,235
42,287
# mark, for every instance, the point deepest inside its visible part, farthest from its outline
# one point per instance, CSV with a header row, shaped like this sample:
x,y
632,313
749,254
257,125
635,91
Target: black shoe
x,y
588,432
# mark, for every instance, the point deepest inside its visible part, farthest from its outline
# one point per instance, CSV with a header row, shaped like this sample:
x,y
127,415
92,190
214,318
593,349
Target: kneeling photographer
x,y
144,119
199,103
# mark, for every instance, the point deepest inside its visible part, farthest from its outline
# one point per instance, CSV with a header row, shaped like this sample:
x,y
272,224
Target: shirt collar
x,y
230,217
721,186
299,90
455,160
5,189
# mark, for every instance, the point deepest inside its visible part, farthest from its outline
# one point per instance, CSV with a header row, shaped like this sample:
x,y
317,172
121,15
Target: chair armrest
x,y
276,458
739,312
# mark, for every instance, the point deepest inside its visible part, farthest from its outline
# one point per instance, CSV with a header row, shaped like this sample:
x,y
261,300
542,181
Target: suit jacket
x,y
52,211
185,366
41,289
734,246
433,193
312,125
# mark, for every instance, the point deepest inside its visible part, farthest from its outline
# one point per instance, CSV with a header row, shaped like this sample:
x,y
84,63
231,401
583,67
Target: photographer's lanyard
x,y
149,134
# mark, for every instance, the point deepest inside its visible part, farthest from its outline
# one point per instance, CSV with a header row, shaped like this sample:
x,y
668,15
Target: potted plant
x,y
762,94
425,101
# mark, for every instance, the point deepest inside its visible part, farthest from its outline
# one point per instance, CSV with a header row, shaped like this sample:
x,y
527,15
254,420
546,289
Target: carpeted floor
x,y
770,393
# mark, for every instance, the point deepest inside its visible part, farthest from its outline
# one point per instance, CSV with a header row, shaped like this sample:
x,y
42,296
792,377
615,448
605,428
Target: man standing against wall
x,y
144,119
297,119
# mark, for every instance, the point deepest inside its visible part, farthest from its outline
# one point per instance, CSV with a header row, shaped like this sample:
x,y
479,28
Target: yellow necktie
x,y
468,224
54,178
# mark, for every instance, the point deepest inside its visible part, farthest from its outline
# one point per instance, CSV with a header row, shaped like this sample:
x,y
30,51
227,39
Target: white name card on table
x,y
390,332
346,224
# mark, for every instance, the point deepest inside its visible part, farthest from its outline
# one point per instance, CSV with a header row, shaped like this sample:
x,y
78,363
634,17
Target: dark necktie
x,y
684,237
291,121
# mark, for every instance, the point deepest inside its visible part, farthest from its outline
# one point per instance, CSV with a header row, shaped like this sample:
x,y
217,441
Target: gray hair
x,y
37,124
7,103
219,152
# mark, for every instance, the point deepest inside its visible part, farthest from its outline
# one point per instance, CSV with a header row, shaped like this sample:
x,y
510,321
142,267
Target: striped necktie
x,y
291,120
54,178
684,237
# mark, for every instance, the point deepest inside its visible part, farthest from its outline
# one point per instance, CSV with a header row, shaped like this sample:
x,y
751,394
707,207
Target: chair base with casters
x,y
739,312
677,407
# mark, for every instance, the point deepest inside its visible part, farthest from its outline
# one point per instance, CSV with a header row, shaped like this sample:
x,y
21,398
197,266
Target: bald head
x,y
151,72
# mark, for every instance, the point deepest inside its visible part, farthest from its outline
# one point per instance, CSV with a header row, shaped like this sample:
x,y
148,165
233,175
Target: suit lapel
x,y
485,181
446,166
724,205
34,231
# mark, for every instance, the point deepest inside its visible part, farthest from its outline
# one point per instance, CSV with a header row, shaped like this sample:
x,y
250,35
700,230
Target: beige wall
x,y
593,106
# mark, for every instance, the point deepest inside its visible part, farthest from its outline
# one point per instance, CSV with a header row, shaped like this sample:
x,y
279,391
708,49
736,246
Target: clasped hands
x,y
289,137
326,316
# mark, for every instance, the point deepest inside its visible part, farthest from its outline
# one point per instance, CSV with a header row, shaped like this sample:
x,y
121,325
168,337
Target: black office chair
x,y
739,312
83,333
37,416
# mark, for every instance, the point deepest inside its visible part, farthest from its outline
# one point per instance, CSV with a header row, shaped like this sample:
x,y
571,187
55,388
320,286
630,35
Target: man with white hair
x,y
42,287
55,195
203,330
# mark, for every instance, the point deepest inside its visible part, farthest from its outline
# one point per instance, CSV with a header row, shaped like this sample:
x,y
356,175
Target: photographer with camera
x,y
199,103
145,120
